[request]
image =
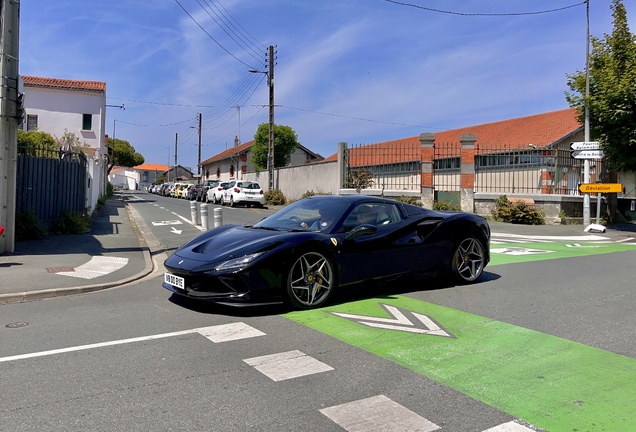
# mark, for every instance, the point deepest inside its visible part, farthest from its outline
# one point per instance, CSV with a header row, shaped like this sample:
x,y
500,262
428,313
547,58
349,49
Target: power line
x,y
356,118
485,14
210,36
230,28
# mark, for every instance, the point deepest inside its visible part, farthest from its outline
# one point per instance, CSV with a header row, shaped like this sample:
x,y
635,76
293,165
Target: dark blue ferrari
x,y
317,245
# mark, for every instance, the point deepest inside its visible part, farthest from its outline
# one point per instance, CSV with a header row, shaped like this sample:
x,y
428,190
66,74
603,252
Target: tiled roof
x,y
64,83
232,151
151,167
541,130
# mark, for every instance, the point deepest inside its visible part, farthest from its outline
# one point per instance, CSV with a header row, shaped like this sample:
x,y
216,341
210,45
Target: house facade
x,y
57,106
150,173
235,163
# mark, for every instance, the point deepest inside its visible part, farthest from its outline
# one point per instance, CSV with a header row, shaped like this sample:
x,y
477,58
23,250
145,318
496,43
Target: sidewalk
x,y
118,250
110,255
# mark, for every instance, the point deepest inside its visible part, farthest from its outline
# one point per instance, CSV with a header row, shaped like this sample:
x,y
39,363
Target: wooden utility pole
x,y
270,149
199,160
9,54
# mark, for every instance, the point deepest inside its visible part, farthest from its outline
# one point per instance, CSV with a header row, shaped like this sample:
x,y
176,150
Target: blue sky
x,y
358,71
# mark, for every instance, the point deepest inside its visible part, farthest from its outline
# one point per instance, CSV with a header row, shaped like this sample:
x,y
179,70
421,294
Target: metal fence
x,y
498,168
531,170
50,182
390,166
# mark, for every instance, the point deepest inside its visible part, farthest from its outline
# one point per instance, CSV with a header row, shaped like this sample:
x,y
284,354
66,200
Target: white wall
x,y
60,109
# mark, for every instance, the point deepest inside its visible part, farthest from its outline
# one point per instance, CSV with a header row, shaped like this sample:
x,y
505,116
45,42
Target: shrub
x,y
312,193
109,189
517,213
70,222
360,178
408,200
102,200
446,206
275,197
28,226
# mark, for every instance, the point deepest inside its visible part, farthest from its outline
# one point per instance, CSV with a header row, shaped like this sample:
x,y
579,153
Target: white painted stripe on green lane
x,y
553,383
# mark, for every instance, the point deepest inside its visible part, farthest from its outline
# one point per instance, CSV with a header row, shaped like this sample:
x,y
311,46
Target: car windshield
x,y
323,215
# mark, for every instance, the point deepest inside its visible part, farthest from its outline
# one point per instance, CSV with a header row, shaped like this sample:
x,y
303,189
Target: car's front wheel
x,y
468,260
311,280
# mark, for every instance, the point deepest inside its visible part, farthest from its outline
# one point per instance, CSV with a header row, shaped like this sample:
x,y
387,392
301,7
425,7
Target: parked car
x,y
216,193
176,190
278,259
243,192
191,192
202,192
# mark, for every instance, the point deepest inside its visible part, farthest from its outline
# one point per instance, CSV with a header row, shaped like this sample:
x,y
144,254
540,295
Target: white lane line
x,y
287,365
377,413
220,333
510,427
96,267
555,238
188,221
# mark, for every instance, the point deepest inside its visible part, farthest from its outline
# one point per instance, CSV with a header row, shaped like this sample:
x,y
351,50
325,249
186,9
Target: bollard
x,y
204,216
218,217
198,213
193,212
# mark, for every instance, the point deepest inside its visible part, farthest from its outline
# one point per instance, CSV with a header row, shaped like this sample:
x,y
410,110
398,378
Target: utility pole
x,y
176,145
270,150
586,163
9,54
199,160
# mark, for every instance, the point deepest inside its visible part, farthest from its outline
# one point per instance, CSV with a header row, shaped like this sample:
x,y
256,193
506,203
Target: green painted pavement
x,y
553,383
556,250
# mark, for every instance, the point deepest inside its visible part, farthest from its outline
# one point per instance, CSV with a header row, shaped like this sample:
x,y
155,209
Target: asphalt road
x,y
549,342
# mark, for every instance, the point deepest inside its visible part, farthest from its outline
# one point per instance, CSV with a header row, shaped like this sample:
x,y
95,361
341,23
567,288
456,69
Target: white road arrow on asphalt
x,y
398,322
174,230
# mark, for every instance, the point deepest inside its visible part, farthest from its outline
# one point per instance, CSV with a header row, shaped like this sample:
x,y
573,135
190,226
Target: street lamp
x,y
270,147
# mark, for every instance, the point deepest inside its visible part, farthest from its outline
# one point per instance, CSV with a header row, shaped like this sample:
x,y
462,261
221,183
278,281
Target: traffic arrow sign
x,y
601,187
591,145
587,154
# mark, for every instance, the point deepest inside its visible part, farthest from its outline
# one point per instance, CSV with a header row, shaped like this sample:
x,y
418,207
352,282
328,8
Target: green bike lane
x,y
550,382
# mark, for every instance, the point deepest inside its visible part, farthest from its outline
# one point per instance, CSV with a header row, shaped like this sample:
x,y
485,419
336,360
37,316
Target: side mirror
x,y
364,229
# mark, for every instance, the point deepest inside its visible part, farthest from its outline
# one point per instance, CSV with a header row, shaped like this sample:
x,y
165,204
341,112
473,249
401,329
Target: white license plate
x,y
173,280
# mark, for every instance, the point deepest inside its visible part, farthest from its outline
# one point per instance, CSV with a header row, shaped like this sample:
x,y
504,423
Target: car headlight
x,y
238,262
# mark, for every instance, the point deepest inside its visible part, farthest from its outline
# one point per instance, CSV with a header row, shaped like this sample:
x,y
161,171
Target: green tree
x,y
72,141
285,142
123,154
37,143
612,96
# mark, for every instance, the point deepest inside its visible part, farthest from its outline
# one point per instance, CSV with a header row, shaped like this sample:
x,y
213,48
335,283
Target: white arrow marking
x,y
174,230
399,322
163,223
578,245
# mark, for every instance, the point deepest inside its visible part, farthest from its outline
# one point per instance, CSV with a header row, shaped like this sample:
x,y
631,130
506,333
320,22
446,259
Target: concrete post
x,y
342,164
204,216
193,212
427,169
218,217
468,172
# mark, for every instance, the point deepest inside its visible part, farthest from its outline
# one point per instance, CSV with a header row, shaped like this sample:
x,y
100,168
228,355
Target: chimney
x,y
236,143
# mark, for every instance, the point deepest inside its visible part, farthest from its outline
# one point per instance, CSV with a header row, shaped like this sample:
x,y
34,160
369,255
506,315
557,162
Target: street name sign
x,y
587,154
601,188
591,145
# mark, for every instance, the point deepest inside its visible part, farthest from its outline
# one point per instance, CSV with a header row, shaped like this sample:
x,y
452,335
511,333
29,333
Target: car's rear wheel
x,y
222,200
468,260
311,280
232,204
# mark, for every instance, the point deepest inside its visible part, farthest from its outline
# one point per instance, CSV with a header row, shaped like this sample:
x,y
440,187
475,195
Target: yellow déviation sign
x,y
601,188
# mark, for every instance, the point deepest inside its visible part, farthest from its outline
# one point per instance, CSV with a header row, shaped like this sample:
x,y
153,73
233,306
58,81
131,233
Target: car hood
x,y
230,243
